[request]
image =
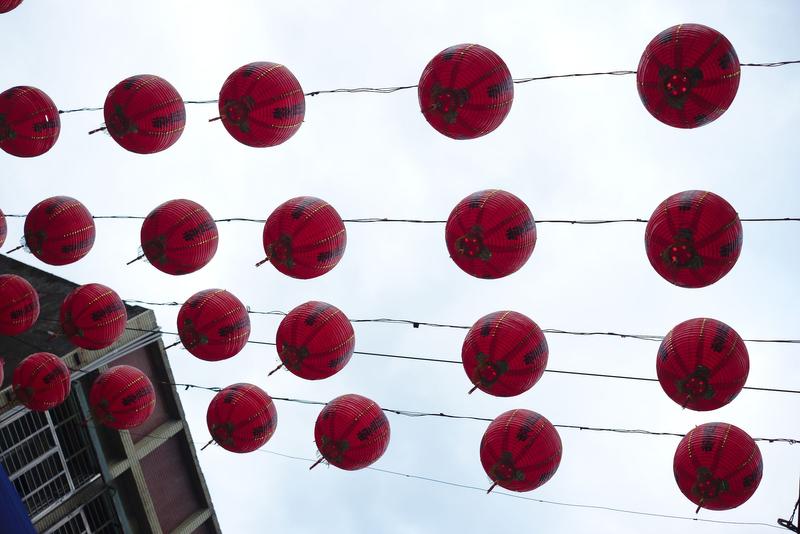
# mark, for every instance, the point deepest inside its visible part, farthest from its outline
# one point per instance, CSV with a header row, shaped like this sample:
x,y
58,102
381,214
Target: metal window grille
x,y
95,517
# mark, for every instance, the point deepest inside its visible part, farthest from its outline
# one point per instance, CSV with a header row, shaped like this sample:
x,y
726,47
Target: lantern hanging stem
x,y
275,370
214,119
262,262
206,445
15,249
97,130
470,393
173,345
316,463
137,258
491,487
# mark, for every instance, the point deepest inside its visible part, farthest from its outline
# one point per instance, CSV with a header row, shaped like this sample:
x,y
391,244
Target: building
x,y
77,477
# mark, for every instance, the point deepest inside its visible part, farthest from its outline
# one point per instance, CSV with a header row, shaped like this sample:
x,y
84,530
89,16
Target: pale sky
x,y
571,149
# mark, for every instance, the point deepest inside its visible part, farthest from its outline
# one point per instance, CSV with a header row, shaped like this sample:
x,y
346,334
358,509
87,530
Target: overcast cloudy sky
x,y
575,148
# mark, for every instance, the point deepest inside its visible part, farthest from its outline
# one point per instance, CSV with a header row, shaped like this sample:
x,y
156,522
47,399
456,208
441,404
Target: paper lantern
x,y
213,325
241,418
717,466
3,228
93,316
520,450
504,354
179,237
20,305
304,237
465,91
702,364
351,432
8,5
315,340
59,230
122,397
41,381
144,114
29,121
490,234
262,104
693,238
688,75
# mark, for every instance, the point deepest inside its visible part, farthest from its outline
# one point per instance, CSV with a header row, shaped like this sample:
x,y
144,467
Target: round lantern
x,y
20,305
702,364
304,237
122,397
520,450
93,316
59,230
241,418
3,228
41,381
504,354
490,234
29,122
144,114
8,5
693,238
315,340
262,104
213,325
179,237
465,91
688,75
351,432
717,466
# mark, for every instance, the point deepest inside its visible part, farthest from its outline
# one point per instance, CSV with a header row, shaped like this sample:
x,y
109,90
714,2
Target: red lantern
x,y
29,122
93,316
122,397
315,340
702,364
693,238
304,237
520,450
59,230
262,104
465,91
41,381
20,305
351,432
241,418
8,5
144,114
179,237
490,234
717,466
3,228
504,354
688,75
213,325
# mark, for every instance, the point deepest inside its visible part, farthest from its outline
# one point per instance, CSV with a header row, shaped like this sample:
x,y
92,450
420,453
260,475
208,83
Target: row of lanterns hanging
x,y
687,77
692,239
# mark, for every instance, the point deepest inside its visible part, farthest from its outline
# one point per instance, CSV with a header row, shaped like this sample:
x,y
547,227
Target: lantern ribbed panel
x,y
520,450
262,104
504,353
718,466
19,305
702,364
93,316
241,418
688,75
8,5
213,325
122,397
179,237
693,238
144,114
3,228
29,122
41,381
352,432
465,91
59,230
490,234
304,237
315,340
